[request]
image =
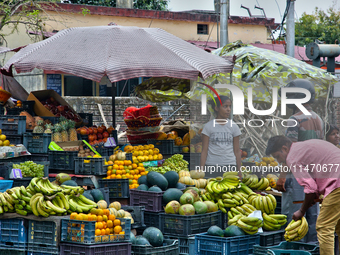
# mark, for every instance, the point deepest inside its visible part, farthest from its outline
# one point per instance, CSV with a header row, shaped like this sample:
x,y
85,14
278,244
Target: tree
x,y
320,25
159,5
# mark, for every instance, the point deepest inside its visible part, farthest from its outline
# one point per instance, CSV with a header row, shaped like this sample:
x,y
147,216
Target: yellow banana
x,y
293,224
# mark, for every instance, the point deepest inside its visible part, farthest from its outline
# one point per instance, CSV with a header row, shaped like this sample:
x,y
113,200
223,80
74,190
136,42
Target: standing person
x,y
220,141
315,165
332,135
308,127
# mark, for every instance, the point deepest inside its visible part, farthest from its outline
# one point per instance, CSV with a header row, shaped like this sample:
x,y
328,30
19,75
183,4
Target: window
x,y
77,86
124,88
202,29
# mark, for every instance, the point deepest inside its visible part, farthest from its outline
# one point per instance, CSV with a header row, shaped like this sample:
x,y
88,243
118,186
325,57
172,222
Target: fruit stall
x,y
68,187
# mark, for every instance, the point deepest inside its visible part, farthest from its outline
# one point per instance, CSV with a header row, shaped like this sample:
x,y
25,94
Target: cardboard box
x,y
65,145
42,95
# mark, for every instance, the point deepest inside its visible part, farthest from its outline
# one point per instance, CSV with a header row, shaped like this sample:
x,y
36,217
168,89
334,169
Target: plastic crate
x,y
105,192
152,219
103,151
152,201
12,252
118,188
26,180
38,157
13,125
270,238
97,249
87,119
13,234
178,149
287,252
297,246
164,146
195,160
186,244
55,251
2,110
278,204
15,139
37,143
137,213
96,166
5,185
238,245
62,160
179,225
42,236
170,247
77,231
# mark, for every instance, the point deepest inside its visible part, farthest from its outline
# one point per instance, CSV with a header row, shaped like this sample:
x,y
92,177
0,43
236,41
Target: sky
x,y
272,8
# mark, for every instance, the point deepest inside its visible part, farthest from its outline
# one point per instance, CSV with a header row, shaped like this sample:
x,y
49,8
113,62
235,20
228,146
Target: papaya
x,y
162,136
178,141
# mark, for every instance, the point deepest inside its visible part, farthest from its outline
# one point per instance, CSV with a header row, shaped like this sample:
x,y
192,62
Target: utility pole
x,y
291,30
224,22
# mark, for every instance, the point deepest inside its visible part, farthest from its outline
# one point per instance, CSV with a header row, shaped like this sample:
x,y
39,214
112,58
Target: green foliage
x,y
160,5
320,25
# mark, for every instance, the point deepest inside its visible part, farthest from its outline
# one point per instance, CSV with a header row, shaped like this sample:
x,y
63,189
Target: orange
x,y
137,171
132,172
99,218
134,182
105,218
109,223
85,217
111,231
119,172
93,211
143,173
106,212
115,166
104,224
109,172
123,172
100,212
90,217
94,217
110,162
103,232
134,165
124,176
112,176
118,176
73,216
108,177
98,232
121,233
112,217
79,217
140,164
99,225
130,186
116,222
117,229
107,231
120,167
136,177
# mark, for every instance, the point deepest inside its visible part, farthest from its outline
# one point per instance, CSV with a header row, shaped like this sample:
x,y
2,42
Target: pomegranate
x,y
106,134
60,108
110,129
100,130
91,130
83,131
95,130
100,136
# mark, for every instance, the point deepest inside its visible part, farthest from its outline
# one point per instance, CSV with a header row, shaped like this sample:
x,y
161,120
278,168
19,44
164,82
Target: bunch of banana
x,y
234,199
250,225
296,230
43,186
219,185
80,204
273,222
71,190
243,210
15,200
45,206
265,203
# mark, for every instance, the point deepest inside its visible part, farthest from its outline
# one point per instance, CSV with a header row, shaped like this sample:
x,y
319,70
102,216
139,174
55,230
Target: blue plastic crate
x,y
118,188
77,231
42,236
186,244
96,166
55,252
97,249
4,251
13,125
15,139
37,143
287,252
238,245
13,234
297,246
62,160
5,185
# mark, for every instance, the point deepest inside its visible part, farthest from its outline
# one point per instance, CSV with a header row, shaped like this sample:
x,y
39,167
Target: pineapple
x,y
40,127
56,137
64,133
72,132
48,129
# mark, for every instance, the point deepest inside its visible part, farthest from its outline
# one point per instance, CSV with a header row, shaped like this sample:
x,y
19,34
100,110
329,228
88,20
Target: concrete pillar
x,y
291,30
124,4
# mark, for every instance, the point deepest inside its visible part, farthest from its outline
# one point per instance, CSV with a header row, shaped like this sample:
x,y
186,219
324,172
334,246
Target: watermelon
x,y
154,236
88,195
172,178
97,195
215,231
143,187
233,231
180,186
70,183
132,238
142,180
140,240
155,189
154,178
172,194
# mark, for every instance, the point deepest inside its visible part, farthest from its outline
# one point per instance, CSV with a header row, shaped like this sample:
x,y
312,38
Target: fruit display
x,y
267,161
296,230
3,139
59,110
272,178
30,169
173,135
151,236
273,222
253,182
266,204
96,134
175,163
143,153
250,225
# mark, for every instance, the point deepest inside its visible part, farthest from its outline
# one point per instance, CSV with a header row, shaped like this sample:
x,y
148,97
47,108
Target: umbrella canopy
x,y
258,68
119,52
12,86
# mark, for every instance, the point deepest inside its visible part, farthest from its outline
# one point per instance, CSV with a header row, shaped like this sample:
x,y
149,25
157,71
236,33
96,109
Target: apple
x,y
60,108
48,107
185,149
192,148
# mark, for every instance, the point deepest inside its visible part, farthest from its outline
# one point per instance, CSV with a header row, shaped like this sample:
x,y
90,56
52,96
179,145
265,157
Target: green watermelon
x,y
233,230
172,194
132,238
154,178
140,240
180,186
215,231
142,180
154,236
143,187
88,195
155,189
70,183
97,195
172,178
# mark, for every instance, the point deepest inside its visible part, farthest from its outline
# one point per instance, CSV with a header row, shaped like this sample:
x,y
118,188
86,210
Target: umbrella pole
x,y
113,93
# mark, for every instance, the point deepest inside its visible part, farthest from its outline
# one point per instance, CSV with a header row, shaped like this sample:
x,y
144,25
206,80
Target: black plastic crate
x,y
90,166
42,236
83,232
186,244
38,157
103,151
2,110
297,246
152,201
13,125
152,219
118,188
15,139
195,160
270,238
37,143
137,213
238,245
13,234
170,247
278,204
27,106
179,225
97,249
87,119
53,120
12,252
15,159
166,147
62,160
42,250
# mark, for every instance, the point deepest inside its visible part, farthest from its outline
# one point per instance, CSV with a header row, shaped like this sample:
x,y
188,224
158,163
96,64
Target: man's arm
x,y
308,202
280,184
